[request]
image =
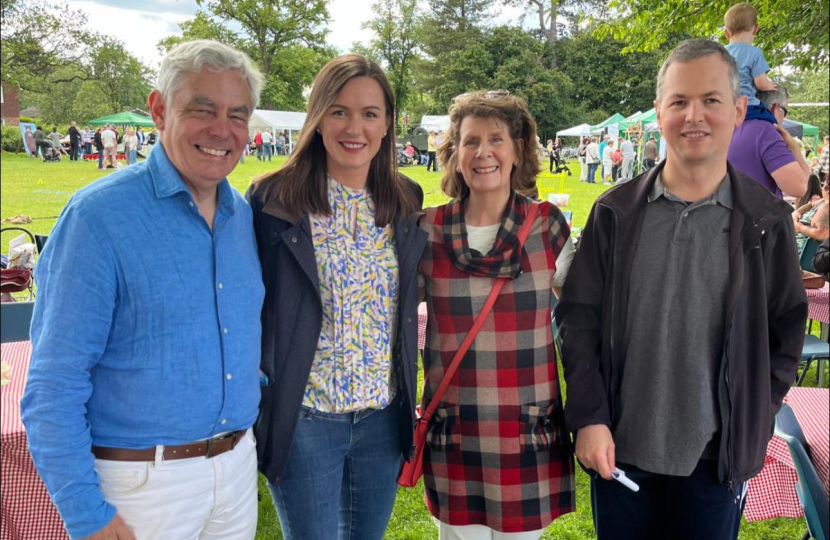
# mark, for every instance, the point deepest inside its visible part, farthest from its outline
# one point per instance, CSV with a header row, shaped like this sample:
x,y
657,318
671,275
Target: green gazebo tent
x,y
126,118
614,119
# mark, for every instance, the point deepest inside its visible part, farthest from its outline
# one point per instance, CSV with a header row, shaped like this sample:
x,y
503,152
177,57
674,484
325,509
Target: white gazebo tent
x,y
435,123
278,121
582,130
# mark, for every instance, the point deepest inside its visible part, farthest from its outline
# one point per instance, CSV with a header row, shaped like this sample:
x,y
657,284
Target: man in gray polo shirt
x,y
682,321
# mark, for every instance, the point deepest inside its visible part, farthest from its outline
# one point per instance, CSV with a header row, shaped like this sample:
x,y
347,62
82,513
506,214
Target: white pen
x,y
620,477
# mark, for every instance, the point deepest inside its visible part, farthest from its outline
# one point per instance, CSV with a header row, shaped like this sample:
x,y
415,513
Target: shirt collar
x,y
168,182
722,196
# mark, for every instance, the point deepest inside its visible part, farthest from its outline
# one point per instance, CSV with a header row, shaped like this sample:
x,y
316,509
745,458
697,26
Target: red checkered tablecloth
x,y
772,493
819,300
422,325
26,513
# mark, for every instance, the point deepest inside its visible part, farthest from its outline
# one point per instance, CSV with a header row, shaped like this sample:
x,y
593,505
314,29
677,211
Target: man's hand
x,y
116,530
595,449
788,140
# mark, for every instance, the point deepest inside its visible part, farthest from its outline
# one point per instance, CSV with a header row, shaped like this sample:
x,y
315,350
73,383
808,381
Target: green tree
x,y
274,31
40,44
792,31
202,26
122,79
809,87
605,79
550,12
395,44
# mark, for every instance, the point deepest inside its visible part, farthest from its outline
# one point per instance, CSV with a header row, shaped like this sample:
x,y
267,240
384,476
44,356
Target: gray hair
x,y
771,97
193,56
692,49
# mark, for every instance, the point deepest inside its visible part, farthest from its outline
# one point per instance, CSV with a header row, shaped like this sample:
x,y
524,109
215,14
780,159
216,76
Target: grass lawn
x,y
40,190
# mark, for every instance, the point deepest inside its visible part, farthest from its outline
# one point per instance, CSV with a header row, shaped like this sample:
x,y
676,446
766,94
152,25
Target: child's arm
x,y
763,84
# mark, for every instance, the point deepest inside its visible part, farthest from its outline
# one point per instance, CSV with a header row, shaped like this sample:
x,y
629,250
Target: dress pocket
x,y
537,430
444,431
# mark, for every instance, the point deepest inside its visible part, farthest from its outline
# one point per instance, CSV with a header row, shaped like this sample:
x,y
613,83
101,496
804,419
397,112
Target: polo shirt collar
x,y
168,182
722,196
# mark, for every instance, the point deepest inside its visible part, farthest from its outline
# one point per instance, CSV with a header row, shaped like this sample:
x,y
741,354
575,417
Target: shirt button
x,y
221,286
191,204
224,421
294,239
686,214
229,376
225,330
409,319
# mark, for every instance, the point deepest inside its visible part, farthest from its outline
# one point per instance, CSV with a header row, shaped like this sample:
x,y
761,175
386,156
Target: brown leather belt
x,y
207,448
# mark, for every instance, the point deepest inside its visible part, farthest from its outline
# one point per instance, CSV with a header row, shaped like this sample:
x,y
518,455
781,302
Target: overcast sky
x,y
140,25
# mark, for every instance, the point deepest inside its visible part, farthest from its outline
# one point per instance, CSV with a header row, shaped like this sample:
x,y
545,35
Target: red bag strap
x,y
479,322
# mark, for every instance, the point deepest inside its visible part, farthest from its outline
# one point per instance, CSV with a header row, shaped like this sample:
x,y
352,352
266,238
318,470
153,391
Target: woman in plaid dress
x,y
498,463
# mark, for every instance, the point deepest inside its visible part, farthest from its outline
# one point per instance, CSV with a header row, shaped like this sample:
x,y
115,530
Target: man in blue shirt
x,y
144,376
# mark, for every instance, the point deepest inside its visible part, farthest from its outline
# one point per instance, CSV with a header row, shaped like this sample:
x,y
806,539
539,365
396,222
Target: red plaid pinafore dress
x,y
497,450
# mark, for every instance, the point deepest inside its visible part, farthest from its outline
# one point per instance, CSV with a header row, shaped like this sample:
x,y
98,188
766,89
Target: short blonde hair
x,y
740,18
503,106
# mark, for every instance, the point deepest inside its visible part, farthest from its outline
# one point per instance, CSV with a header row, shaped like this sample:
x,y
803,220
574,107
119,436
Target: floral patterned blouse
x,y
357,268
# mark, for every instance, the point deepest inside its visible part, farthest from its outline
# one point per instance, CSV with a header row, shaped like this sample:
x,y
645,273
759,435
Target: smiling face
x,y
697,113
353,128
204,126
486,155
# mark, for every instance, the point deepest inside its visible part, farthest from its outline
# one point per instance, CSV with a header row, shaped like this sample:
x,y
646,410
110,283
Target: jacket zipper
x,y
729,457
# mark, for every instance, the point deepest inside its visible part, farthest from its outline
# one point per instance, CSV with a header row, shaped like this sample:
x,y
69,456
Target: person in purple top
x,y
767,152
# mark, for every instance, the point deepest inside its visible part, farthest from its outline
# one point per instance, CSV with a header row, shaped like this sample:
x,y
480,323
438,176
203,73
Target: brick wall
x,y
10,109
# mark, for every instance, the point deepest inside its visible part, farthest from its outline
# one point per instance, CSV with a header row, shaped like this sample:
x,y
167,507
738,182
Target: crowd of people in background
x,y
101,144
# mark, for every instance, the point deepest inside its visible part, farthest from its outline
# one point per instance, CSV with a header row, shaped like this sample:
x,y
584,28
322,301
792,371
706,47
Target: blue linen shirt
x,y
146,329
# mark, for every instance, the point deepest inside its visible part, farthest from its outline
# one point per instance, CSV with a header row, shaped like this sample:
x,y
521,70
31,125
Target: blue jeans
x,y
341,478
592,171
132,157
266,152
681,508
101,158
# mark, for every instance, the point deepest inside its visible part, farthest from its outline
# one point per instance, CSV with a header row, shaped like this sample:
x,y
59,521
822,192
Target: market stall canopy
x,y
644,118
612,120
435,123
278,120
126,118
582,130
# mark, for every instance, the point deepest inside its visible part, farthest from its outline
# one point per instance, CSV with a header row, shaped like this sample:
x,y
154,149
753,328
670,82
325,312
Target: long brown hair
x,y
503,106
301,184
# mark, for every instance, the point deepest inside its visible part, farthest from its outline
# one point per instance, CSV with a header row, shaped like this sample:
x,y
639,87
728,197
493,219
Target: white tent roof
x,y
437,123
576,131
281,120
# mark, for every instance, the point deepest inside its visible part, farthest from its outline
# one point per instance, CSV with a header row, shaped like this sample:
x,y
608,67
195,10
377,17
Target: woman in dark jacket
x,y
339,260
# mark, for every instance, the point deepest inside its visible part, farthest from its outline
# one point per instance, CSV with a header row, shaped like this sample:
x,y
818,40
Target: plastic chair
x,y
809,487
805,258
816,350
16,320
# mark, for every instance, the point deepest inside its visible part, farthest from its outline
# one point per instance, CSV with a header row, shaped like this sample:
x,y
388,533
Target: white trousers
x,y
480,532
583,174
186,499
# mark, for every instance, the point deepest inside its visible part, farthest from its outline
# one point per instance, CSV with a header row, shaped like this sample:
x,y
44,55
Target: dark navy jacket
x,y
292,320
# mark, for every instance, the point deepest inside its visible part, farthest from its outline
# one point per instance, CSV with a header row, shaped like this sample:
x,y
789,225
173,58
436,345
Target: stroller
x,y
403,159
51,154
561,166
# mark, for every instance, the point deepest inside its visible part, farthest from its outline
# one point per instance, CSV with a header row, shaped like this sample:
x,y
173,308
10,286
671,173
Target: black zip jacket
x,y
292,318
766,308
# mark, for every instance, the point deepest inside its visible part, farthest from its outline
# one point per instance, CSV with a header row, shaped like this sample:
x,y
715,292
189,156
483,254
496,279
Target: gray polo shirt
x,y
674,333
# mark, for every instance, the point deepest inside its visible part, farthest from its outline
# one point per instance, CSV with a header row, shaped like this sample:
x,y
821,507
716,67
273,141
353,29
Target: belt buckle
x,y
210,447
